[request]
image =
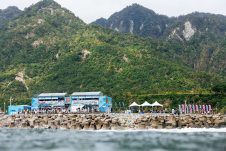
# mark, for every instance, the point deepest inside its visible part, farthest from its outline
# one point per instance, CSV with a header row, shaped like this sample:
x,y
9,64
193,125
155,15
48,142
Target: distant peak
x,y
135,4
138,7
41,5
49,2
46,3
102,20
11,8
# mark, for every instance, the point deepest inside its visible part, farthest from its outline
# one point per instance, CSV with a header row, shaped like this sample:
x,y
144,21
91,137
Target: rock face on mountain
x,y
8,14
137,19
142,21
197,24
47,49
198,37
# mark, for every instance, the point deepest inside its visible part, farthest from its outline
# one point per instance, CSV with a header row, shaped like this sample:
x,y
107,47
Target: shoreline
x,y
113,121
175,130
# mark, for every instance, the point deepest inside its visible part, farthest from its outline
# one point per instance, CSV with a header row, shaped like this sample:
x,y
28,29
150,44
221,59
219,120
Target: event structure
x,y
76,102
49,100
90,101
14,109
134,104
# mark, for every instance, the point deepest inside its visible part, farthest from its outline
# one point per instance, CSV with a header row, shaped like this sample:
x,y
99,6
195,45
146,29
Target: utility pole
x,y
4,107
10,101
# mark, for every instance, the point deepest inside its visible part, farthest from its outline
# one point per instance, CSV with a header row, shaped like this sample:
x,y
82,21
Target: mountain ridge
x,y
192,33
144,13
117,23
7,14
48,49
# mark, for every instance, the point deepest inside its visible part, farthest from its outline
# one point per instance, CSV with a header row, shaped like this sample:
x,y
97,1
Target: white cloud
x,y
90,10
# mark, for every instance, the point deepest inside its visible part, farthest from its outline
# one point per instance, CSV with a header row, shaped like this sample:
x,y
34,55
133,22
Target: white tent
x,y
76,108
157,104
146,104
134,104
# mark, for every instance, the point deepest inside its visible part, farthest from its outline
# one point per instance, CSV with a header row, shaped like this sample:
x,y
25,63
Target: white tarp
x,y
134,104
76,108
146,104
157,104
85,102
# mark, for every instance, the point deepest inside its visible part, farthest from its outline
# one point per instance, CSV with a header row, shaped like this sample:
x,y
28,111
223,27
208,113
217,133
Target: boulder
x,y
142,125
106,126
219,122
92,126
98,126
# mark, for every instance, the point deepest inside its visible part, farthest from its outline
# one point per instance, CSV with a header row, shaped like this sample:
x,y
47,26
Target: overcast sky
x,y
90,10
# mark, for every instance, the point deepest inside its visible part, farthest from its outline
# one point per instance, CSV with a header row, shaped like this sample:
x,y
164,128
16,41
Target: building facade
x,y
15,109
77,102
49,101
90,102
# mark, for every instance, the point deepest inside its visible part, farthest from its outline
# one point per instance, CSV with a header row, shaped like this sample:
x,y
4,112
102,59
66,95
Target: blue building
x,y
15,109
77,102
48,101
105,104
90,102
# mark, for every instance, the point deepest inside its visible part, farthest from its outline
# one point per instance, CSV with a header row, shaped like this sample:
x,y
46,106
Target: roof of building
x,y
51,94
86,93
17,105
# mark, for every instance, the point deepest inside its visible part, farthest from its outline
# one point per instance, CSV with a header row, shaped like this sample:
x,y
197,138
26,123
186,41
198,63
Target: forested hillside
x,y
48,49
8,14
197,38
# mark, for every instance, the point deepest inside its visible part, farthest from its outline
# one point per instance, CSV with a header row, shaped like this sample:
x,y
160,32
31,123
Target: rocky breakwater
x,y
111,121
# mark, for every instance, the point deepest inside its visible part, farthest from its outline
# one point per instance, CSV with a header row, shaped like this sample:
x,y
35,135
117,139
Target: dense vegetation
x,y
197,38
8,14
48,49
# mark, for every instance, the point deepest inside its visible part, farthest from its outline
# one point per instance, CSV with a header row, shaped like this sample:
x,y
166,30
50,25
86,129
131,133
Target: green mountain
x,y
48,49
138,20
8,14
199,38
142,21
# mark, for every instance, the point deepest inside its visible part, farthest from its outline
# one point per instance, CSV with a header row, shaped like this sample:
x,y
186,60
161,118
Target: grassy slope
x,y
119,65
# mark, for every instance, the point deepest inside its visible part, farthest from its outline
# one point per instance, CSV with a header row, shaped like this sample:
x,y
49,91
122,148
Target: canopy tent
x,y
146,104
157,104
134,104
77,107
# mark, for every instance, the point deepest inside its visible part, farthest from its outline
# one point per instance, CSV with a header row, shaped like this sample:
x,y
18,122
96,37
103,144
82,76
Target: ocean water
x,y
151,140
